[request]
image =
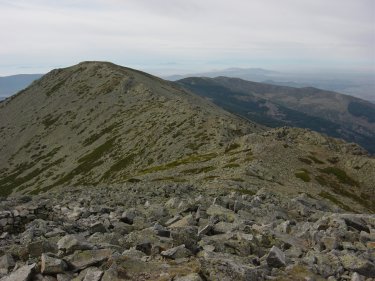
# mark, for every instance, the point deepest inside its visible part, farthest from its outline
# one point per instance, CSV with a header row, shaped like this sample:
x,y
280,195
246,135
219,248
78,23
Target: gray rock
x,y
6,263
21,274
36,248
64,277
190,277
356,223
71,243
216,266
276,258
98,227
357,277
358,264
83,259
110,275
51,265
93,274
176,252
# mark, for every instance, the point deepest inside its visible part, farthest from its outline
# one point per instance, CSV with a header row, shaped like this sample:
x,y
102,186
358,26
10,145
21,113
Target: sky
x,y
180,36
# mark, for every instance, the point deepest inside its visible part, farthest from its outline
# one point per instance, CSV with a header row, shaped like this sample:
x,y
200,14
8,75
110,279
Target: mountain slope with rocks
x,y
109,173
334,114
100,123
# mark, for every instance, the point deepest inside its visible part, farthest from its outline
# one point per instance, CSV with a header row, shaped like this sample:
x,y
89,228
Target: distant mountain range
x,y
357,85
10,85
334,114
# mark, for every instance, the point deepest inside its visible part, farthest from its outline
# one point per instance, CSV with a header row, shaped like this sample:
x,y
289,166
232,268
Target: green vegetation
x,y
14,180
305,160
316,160
55,87
120,165
49,120
184,161
87,163
340,175
231,147
365,201
231,165
198,170
334,200
96,136
237,179
303,174
133,180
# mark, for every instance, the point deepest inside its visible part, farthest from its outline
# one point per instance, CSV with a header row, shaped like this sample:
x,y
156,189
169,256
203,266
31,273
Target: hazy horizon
x,y
173,37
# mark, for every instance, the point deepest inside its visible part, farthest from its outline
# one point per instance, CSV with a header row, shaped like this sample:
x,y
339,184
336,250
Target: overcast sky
x,y
169,36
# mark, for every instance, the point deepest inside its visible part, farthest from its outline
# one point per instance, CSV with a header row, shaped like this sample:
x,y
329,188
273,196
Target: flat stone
x,y
83,259
276,258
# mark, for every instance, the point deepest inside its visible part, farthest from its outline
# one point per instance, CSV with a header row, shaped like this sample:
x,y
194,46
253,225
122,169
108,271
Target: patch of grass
x,y
198,170
133,180
231,147
55,87
316,160
334,200
303,174
14,180
231,165
173,179
120,165
49,120
340,190
96,136
340,175
187,160
87,163
237,179
210,177
305,160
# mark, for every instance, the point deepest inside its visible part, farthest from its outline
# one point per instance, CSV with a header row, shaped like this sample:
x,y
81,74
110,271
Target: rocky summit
x,y
108,173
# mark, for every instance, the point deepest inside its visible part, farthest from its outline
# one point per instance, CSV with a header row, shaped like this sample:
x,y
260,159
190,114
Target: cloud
x,y
192,33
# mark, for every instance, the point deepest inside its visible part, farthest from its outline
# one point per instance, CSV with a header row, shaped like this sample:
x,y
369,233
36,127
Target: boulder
x,y
52,265
176,253
83,259
276,258
22,274
93,274
357,264
6,263
71,243
36,248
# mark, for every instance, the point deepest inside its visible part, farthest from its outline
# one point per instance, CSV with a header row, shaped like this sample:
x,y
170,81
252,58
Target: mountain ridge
x,y
328,112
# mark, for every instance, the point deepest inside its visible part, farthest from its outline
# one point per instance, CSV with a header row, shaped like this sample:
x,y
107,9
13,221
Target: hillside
x,y
108,173
100,123
334,114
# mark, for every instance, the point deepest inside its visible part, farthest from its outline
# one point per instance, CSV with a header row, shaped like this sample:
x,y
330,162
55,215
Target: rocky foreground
x,y
181,233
